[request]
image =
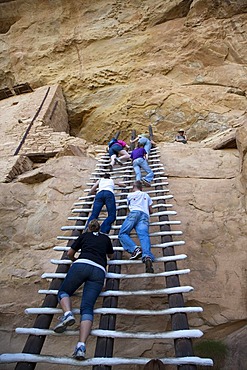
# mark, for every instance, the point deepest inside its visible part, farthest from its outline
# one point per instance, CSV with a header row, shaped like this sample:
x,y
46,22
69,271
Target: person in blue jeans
x,y
140,206
104,196
117,151
139,162
147,143
88,268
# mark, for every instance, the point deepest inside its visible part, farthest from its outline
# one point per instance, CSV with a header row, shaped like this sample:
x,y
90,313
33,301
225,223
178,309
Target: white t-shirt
x,y
139,201
106,184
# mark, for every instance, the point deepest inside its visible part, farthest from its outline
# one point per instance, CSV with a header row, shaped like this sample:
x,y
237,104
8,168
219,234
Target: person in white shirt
x,y
105,196
140,206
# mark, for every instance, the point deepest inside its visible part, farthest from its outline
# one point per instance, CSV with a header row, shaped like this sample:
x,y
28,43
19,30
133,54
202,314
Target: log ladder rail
x,y
104,358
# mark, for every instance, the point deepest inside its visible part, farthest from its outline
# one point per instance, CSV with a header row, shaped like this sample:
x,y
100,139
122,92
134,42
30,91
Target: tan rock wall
x,y
209,199
121,66
128,64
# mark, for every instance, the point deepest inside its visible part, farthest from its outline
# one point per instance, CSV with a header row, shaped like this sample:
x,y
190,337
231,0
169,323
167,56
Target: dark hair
x,y
138,184
94,225
106,175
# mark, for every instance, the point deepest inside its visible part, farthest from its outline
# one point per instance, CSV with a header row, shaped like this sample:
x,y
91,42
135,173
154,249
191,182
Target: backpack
x,y
112,141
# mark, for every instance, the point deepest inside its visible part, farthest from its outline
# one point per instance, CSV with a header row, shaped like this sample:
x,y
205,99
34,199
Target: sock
x,y
79,344
65,313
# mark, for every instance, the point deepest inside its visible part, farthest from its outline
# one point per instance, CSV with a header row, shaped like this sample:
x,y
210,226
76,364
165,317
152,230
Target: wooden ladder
x,y
164,240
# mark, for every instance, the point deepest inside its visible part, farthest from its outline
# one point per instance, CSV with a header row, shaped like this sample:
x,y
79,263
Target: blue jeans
x,y
146,142
104,197
93,279
114,149
142,163
139,221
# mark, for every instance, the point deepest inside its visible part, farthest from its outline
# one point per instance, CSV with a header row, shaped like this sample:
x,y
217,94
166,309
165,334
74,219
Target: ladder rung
x,y
131,187
80,210
162,197
113,237
158,223
115,311
111,275
107,361
177,257
63,248
161,245
190,333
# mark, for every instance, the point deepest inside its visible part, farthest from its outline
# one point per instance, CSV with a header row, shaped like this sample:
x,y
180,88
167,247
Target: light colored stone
x,y
126,65
121,66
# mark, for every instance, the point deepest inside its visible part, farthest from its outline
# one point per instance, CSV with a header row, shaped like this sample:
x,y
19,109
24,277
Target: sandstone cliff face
x,y
132,63
124,65
210,202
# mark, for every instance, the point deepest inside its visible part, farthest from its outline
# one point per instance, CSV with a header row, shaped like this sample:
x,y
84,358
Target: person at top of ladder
x,y
88,268
117,151
181,137
105,196
147,143
140,205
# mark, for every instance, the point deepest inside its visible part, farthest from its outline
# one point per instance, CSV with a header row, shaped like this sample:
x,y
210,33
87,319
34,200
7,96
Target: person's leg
x,y
113,152
129,223
91,291
113,157
137,168
65,304
71,283
142,230
147,147
97,207
111,210
85,329
123,154
150,175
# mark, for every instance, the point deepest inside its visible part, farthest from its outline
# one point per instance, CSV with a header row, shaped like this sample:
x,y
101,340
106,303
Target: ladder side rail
x,y
150,129
179,321
34,344
133,136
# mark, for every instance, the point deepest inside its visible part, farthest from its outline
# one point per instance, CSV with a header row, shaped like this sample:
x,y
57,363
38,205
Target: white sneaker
x,y
65,320
79,353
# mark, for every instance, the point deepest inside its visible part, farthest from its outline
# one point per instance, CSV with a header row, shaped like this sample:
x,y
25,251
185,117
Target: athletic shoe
x,y
149,265
145,182
136,254
79,353
65,320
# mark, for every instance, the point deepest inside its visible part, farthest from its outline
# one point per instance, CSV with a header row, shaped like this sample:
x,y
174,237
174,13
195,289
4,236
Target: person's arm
x,y
150,208
109,250
121,184
75,246
94,188
134,140
71,254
